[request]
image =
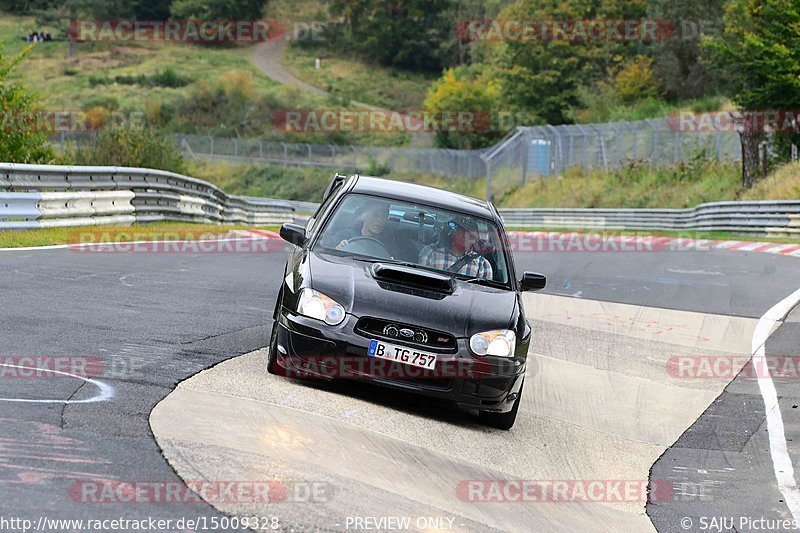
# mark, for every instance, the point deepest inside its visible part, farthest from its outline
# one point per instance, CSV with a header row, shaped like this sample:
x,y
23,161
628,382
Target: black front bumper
x,y
310,348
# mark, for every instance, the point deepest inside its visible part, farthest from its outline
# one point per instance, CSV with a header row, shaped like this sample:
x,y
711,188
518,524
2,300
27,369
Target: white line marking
x,y
105,392
781,462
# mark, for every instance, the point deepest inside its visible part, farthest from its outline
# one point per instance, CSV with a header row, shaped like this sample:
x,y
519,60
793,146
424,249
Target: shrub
x,y
635,81
132,146
22,139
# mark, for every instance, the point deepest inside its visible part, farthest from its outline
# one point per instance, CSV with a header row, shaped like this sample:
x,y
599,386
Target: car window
x,y
431,237
326,203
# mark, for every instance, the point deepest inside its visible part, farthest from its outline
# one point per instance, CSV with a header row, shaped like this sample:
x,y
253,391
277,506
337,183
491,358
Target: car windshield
x,y
461,244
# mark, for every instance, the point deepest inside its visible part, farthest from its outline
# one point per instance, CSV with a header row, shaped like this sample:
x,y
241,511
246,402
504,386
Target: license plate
x,y
402,354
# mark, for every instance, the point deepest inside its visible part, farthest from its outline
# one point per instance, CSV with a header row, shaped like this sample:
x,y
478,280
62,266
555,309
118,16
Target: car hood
x,y
468,309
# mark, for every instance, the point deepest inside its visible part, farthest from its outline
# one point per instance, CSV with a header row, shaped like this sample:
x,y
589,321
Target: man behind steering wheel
x,y
373,226
455,251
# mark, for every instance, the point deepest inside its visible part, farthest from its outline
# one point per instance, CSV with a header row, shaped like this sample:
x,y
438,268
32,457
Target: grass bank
x,y
636,185
136,232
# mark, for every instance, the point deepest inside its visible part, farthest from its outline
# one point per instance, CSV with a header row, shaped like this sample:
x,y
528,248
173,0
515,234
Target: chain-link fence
x,y
539,151
450,163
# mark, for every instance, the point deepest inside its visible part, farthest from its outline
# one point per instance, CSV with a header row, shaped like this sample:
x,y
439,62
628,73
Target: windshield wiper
x,y
367,259
484,281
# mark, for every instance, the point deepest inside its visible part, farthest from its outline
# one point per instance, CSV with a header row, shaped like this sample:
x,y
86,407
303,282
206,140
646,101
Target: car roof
x,y
399,190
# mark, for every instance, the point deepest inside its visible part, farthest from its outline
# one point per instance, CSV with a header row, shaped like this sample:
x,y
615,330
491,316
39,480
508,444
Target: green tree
x,y
400,33
130,145
681,63
218,9
759,48
467,89
544,75
23,139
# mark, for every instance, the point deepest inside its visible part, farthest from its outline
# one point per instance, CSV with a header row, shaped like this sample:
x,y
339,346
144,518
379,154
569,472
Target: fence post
x,y
526,154
211,147
488,180
261,149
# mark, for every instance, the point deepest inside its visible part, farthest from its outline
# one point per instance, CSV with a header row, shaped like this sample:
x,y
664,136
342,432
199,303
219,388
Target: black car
x,y
409,287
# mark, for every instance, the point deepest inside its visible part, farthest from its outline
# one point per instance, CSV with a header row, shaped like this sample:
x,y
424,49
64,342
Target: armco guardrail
x,y
35,196
38,196
770,217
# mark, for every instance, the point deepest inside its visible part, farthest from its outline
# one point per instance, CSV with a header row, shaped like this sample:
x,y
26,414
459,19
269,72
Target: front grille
x,y
406,333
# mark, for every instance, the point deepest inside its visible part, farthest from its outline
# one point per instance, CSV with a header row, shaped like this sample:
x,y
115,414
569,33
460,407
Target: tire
x,y
502,420
272,359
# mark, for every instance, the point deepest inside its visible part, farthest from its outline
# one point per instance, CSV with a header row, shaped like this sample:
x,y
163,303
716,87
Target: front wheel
x,y
502,420
272,359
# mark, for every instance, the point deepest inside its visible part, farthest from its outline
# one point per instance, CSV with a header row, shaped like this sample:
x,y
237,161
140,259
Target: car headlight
x,y
500,342
314,304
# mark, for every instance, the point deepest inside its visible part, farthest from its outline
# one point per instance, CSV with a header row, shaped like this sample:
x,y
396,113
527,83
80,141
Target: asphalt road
x,y
152,320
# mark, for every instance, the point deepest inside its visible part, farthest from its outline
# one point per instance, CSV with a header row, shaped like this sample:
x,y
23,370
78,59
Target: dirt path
x,y
267,57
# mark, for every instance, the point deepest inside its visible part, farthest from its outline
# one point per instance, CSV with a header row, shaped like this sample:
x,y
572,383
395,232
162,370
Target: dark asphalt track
x,y
721,466
156,319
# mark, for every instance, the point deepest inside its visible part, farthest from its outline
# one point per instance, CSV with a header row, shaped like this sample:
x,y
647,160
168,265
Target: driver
x,y
455,251
373,225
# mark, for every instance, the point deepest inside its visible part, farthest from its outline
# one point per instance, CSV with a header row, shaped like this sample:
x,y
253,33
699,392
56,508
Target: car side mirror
x,y
293,233
532,281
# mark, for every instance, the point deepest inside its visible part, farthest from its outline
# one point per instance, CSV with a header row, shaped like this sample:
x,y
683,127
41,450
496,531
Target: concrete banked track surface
x,y
181,339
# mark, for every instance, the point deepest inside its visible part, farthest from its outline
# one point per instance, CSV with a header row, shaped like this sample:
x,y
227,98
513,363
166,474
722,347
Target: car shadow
x,y
436,409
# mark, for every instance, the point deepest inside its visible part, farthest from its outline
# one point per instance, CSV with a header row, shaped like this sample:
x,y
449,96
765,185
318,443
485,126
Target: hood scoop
x,y
405,275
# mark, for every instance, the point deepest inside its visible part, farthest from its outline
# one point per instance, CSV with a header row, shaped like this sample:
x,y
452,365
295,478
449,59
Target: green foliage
x,y
405,34
129,145
163,78
22,139
636,184
376,168
467,89
225,107
230,106
760,51
635,80
106,102
218,9
681,64
542,76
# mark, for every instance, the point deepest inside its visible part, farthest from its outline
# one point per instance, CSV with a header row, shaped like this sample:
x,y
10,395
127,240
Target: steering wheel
x,y
369,240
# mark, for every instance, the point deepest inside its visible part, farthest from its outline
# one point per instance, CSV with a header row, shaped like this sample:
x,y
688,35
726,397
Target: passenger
x,y
455,251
